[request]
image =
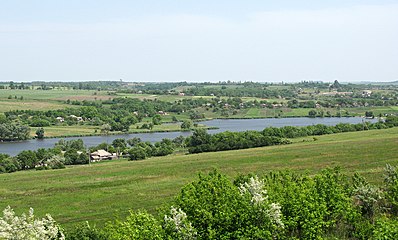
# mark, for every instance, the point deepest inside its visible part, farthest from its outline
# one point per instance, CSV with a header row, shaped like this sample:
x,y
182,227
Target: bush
x,y
84,231
386,229
138,225
8,164
219,210
137,153
28,227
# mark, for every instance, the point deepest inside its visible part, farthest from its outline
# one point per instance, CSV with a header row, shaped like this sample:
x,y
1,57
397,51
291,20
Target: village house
x,y
366,93
79,119
102,155
162,113
60,119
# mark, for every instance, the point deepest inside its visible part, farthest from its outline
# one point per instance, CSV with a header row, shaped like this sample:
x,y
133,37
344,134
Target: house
x,y
79,119
181,94
366,93
60,119
162,113
101,155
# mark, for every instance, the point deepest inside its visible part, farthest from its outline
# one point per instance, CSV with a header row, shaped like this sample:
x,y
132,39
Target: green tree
x,y
27,159
137,153
186,125
157,119
312,113
40,133
133,141
138,225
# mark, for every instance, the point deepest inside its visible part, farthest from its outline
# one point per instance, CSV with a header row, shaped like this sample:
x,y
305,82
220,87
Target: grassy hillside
x,y
100,191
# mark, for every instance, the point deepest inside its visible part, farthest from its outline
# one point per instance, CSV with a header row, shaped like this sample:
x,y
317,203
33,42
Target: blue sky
x,y
198,40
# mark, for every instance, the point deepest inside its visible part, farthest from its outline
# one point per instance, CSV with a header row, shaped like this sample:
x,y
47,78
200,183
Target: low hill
x,y
98,192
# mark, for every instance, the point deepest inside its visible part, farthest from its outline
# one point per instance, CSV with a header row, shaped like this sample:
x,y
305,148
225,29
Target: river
x,y
234,125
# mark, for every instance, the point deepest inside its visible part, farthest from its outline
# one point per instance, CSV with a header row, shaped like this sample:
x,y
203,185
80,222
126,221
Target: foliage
x,y
219,210
156,120
28,227
137,153
73,157
386,229
177,226
13,132
391,181
8,164
40,133
84,231
201,141
133,141
138,225
312,207
370,199
186,124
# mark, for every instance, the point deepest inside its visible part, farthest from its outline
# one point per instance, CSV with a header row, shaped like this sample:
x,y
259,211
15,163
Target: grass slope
x,y
99,192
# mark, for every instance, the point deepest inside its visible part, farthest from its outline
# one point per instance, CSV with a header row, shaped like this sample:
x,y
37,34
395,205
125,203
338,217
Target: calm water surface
x,y
233,125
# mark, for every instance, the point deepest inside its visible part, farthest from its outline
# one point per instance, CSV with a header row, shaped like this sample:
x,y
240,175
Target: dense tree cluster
x,y
201,141
144,150
64,153
13,132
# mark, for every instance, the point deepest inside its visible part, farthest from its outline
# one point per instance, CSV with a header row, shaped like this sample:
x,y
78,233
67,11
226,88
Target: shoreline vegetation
x,y
138,131
123,133
75,152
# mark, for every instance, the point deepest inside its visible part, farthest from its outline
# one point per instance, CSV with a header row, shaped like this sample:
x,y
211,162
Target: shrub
x,y
138,225
84,231
28,227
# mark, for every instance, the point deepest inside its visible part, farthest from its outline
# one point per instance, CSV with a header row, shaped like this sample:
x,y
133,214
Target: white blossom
x,y
275,214
179,223
255,187
27,227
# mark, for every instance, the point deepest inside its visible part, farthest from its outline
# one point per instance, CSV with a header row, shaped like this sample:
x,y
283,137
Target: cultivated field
x,y
98,192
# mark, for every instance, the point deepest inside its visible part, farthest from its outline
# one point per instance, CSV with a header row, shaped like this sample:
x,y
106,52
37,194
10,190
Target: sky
x,y
196,41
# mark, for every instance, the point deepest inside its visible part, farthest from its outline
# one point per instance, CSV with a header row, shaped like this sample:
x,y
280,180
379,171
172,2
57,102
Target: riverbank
x,y
87,131
214,126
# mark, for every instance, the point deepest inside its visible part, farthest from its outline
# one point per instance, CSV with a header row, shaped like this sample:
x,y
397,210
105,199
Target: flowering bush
x,y
255,188
218,209
27,227
177,225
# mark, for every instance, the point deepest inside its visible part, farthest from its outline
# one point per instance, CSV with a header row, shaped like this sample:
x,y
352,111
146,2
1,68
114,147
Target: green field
x,y
100,191
55,131
44,99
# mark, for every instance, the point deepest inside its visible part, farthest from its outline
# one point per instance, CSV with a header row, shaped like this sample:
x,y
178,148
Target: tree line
x,y
201,141
74,152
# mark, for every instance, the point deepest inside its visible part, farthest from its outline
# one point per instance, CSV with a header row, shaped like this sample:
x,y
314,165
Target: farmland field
x,y
98,192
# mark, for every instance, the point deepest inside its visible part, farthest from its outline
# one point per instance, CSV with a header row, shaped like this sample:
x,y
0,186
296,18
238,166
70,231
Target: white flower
x,y
259,197
275,214
27,227
256,189
180,224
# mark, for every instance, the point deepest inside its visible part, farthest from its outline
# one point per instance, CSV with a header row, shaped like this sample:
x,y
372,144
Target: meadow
x,y
43,99
99,192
